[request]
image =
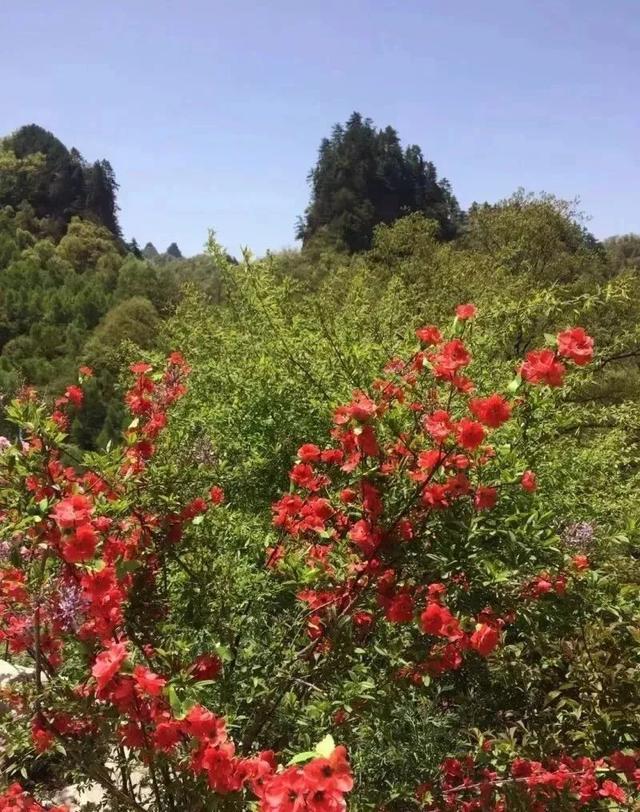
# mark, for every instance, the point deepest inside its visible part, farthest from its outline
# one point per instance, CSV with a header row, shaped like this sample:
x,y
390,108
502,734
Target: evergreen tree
x,y
61,185
150,252
363,178
133,248
101,195
174,251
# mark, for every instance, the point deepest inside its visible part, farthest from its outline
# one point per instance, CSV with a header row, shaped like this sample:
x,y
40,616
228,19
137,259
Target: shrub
x,y
415,597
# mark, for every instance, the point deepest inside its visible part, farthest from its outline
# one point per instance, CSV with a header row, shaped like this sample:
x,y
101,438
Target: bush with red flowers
x,y
413,593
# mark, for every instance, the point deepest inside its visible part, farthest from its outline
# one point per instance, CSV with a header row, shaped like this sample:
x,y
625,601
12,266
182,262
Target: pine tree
x,y
363,178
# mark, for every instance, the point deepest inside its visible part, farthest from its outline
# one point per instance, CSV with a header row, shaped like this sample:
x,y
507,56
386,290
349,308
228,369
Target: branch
x,y
621,356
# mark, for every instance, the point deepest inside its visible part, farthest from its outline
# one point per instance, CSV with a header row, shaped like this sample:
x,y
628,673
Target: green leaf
x,y
123,567
300,757
515,384
174,700
326,746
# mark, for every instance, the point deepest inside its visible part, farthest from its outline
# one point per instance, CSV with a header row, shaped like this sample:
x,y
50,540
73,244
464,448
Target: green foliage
x,y
363,177
59,183
623,252
275,344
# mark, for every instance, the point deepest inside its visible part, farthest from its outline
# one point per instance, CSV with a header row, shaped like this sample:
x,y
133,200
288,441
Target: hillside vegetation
x,y
318,520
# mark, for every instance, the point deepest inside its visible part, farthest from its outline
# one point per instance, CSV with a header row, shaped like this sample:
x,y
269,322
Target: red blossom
x,y
309,453
75,395
108,663
216,494
484,639
529,482
148,682
470,434
485,498
206,667
466,311
576,345
493,411
542,366
429,335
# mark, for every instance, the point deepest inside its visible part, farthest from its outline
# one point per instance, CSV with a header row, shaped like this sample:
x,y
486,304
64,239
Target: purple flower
x,y
579,535
71,607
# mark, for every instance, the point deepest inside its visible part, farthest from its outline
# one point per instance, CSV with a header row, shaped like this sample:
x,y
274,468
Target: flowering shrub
x,y
384,539
577,782
81,549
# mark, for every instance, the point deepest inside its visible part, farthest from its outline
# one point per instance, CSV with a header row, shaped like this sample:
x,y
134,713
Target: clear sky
x,y
211,112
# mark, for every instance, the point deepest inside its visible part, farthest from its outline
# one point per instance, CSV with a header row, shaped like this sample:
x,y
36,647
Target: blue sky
x,y
211,112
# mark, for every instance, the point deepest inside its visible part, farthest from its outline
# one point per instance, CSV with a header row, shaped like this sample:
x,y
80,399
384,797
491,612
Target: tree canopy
x,y
364,177
62,185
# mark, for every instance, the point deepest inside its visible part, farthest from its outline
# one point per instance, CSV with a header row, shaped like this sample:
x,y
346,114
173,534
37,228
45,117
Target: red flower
x,y
176,359
361,407
107,664
42,739
541,366
132,735
439,425
203,724
366,440
72,511
347,495
331,774
576,345
493,411
485,498
405,529
429,334
529,482
332,456
284,792
436,592
451,358
466,311
363,620
399,608
437,620
166,735
206,667
148,682
436,496
580,562
364,536
139,368
196,507
303,475
470,433
610,789
81,546
75,395
484,639
309,453
216,494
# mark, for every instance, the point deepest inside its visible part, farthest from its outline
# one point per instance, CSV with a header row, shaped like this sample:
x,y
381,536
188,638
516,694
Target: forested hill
x,y
73,291
56,182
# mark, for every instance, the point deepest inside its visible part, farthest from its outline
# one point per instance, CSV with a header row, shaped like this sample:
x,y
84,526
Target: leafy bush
x,y
420,593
